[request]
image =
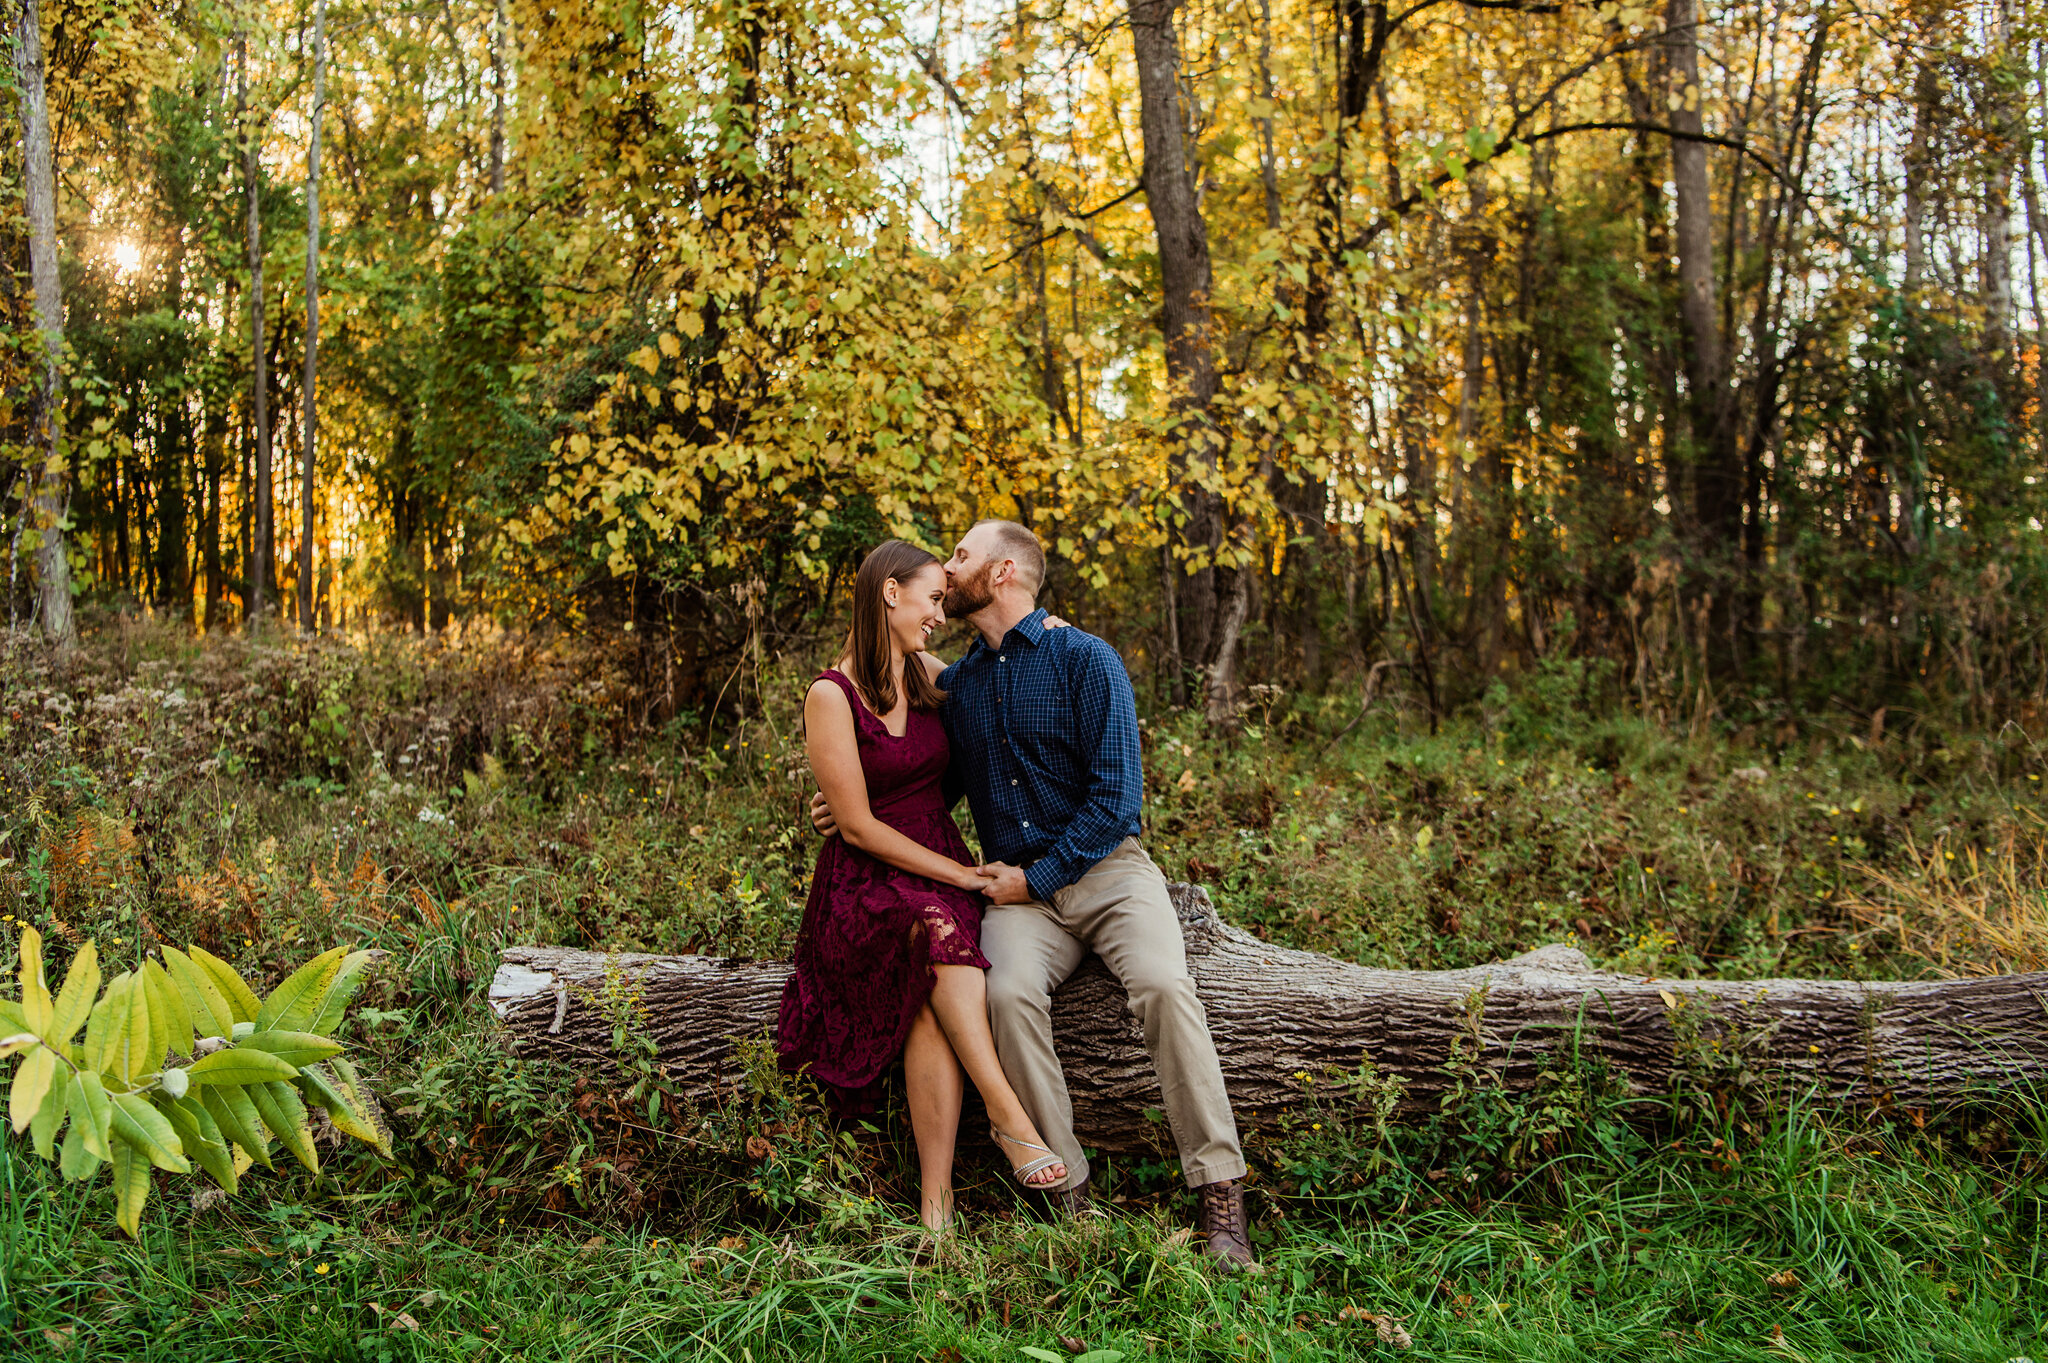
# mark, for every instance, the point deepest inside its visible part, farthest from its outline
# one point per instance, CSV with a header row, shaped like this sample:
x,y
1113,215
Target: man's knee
x,y
1167,997
1019,995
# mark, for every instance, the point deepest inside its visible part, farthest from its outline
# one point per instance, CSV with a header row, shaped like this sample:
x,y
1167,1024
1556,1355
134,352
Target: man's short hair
x,y
1021,545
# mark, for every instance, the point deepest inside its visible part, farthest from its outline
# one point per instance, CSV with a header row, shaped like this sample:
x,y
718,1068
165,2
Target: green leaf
x,y
200,1135
49,1117
137,1122
343,1104
75,999
136,1052
239,1065
1042,1355
238,1120
203,999
36,1008
1101,1356
76,1162
296,1002
241,1003
131,1187
168,1001
12,1019
106,1030
91,1113
31,1085
347,980
294,1048
16,1042
285,1114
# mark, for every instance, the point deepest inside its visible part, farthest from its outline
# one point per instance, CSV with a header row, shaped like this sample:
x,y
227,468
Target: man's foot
x,y
1220,1219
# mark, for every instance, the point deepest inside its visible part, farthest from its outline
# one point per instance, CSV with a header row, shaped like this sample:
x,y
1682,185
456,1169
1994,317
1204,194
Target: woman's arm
x,y
834,750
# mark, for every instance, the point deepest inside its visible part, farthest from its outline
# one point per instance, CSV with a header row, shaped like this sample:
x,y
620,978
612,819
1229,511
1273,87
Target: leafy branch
x,y
251,1070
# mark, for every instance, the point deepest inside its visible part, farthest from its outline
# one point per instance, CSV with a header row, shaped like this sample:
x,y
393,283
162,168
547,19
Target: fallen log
x,y
1278,1013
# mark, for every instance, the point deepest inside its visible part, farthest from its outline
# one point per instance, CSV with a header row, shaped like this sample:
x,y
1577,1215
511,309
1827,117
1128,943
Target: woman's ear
x,y
889,593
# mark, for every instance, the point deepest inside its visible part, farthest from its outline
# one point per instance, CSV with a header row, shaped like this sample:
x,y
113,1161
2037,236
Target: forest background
x,y
1312,338
1556,472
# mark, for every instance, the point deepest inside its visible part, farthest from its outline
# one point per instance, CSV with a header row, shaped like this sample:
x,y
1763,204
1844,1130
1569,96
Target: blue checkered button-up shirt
x,y
1044,731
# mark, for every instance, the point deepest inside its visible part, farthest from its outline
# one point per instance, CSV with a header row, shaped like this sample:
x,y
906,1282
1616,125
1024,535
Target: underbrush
x,y
438,804
1805,1238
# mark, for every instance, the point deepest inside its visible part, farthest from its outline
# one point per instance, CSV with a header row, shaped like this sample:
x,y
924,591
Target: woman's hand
x,y
1055,622
973,879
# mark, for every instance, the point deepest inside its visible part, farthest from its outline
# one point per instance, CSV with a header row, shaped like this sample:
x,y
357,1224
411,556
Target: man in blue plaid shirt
x,y
1044,732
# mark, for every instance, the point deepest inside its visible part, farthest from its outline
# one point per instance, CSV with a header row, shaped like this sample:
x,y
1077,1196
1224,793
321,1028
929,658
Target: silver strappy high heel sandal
x,y
1023,1172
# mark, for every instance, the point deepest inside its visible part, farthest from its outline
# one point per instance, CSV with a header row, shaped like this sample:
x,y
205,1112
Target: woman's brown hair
x,y
867,643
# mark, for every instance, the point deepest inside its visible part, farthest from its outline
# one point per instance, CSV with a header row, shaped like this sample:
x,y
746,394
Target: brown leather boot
x,y
1219,1217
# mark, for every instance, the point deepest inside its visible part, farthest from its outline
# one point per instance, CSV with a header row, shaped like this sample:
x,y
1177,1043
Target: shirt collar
x,y
1032,627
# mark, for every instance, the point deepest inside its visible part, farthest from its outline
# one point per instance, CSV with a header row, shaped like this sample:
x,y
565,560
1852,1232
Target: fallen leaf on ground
x,y
1073,1344
1784,1280
733,1242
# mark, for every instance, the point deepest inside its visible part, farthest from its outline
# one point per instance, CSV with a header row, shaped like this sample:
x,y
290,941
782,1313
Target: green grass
x,y
268,801
1813,1246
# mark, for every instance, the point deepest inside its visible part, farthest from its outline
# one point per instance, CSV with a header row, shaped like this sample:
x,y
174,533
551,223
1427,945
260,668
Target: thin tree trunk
x,y
501,36
48,496
1919,165
258,567
308,443
1183,237
1717,466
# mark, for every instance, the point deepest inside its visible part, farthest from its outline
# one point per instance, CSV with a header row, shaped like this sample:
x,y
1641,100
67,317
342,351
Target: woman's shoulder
x,y
933,664
829,687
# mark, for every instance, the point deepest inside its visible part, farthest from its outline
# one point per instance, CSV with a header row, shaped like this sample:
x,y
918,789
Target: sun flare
x,y
127,257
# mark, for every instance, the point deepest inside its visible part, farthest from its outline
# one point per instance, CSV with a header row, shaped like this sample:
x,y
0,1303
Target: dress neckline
x,y
853,695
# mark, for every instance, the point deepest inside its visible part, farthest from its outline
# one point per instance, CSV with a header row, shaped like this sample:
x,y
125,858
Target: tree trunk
x,y
1716,463
1184,320
48,495
1919,167
1277,1012
259,567
308,444
501,34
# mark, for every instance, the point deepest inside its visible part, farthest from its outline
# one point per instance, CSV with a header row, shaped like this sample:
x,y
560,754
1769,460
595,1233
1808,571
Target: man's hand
x,y
821,816
1006,884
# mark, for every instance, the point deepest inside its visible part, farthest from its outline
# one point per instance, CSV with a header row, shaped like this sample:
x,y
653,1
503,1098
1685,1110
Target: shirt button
x,y
1013,780
1027,823
1002,657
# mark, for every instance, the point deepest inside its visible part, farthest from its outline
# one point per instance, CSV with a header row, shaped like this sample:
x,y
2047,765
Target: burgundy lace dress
x,y
872,933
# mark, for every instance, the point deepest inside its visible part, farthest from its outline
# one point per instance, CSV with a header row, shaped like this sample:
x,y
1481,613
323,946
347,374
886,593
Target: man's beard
x,y
966,596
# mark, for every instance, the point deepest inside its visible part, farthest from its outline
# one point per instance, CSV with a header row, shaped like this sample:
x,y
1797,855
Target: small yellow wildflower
x,y
321,1268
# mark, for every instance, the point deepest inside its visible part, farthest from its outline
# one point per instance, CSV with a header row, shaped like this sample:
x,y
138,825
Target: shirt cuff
x,y
1045,879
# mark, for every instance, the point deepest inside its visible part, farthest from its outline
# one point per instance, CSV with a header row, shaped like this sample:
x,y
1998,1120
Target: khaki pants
x,y
1120,911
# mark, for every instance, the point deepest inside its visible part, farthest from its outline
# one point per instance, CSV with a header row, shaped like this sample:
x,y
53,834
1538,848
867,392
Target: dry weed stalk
x,y
1967,912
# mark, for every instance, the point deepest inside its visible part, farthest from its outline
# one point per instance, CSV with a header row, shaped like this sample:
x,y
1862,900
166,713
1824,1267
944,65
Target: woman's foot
x,y
1039,1167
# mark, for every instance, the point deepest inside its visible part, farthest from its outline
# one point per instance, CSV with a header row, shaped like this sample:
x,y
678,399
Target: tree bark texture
x,y
1277,1012
47,497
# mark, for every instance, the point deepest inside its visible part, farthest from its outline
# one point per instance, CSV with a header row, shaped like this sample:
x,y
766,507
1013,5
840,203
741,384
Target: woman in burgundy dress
x,y
888,962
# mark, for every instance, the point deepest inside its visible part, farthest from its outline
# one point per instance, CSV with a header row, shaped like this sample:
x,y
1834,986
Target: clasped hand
x,y
1000,881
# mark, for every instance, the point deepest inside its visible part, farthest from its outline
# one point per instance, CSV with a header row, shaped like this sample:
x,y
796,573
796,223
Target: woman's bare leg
x,y
931,1080
960,999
